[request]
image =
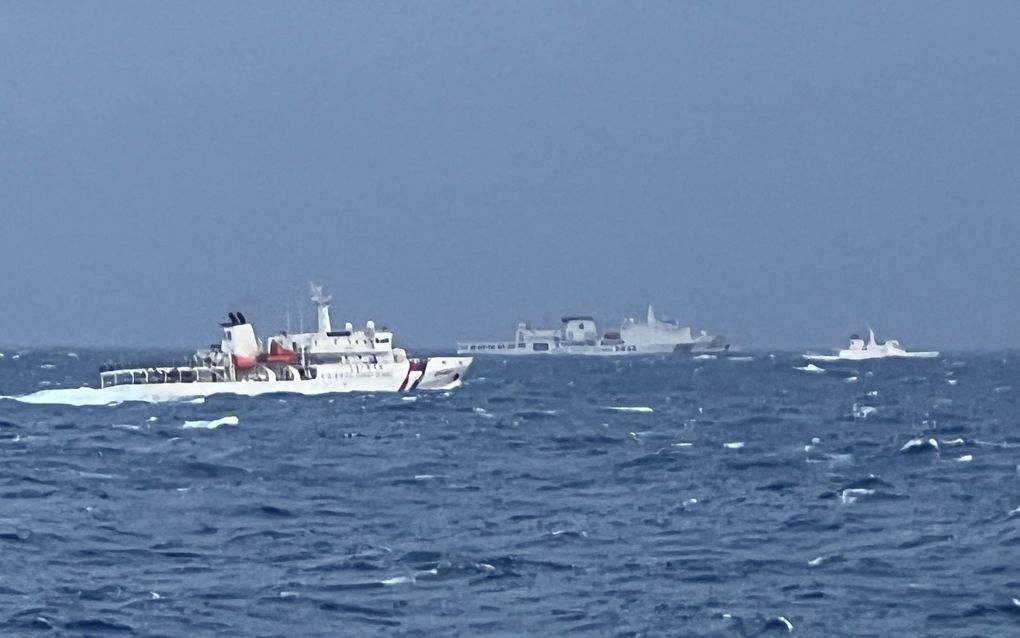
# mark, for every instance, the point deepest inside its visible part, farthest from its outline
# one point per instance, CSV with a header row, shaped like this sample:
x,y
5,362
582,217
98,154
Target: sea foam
x,y
210,425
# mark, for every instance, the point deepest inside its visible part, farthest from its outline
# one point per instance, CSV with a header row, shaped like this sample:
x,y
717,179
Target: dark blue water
x,y
521,504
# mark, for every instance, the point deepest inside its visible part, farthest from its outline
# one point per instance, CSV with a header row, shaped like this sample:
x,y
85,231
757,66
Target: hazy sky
x,y
782,172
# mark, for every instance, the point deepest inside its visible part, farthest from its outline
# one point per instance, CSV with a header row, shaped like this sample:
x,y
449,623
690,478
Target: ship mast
x,y
322,301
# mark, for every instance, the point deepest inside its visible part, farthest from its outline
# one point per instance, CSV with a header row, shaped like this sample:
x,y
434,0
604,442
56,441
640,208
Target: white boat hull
x,y
440,373
856,355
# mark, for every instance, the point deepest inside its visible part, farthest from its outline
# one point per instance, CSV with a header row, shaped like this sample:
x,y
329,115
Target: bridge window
x,y
540,347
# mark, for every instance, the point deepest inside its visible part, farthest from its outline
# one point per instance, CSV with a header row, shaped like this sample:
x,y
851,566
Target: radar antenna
x,y
317,297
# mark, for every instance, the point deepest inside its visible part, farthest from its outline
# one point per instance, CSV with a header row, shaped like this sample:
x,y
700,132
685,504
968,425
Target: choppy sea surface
x,y
548,497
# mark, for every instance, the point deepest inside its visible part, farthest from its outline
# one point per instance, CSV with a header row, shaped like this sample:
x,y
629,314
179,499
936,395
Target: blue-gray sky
x,y
783,172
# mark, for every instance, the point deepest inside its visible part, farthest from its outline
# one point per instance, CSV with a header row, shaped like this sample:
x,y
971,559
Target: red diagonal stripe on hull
x,y
406,377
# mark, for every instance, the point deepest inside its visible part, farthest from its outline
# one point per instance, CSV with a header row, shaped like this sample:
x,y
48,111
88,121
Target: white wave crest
x,y
863,411
402,580
623,408
918,443
67,396
851,495
1005,444
810,368
210,425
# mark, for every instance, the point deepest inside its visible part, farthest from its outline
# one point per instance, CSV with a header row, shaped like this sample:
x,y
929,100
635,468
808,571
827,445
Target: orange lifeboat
x,y
243,363
279,354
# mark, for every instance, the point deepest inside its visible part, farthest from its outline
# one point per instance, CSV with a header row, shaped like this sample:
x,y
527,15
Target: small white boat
x,y
859,350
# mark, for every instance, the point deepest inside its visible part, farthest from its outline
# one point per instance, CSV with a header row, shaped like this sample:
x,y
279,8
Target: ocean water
x,y
628,497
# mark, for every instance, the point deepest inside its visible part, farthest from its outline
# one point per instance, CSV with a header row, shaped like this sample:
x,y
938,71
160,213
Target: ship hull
x,y
856,355
439,373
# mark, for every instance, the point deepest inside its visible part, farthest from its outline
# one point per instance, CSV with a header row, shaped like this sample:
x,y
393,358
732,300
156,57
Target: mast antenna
x,y
317,297
322,301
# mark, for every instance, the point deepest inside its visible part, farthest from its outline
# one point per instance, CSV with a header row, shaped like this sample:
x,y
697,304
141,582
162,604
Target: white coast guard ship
x,y
579,335
321,362
859,350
